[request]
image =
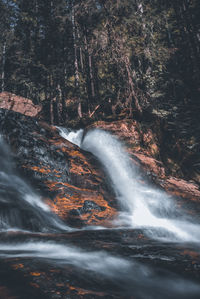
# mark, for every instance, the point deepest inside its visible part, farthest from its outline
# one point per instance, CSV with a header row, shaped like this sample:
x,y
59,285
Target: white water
x,y
98,261
141,205
72,136
21,208
143,281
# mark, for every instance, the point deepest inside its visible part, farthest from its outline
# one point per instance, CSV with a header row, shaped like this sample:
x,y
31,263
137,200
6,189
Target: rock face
x,y
69,179
18,104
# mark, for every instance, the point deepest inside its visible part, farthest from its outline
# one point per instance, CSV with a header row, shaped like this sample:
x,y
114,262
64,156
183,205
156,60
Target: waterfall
x,y
74,137
142,206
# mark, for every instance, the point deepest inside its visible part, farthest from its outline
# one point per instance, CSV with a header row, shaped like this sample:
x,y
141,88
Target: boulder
x,y
69,179
18,104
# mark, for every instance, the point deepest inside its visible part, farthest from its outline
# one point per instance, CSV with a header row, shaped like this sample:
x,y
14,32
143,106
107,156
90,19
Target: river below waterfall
x,y
151,250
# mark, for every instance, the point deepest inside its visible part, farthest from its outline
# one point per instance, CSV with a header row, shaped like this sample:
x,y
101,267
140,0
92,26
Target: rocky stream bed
x,y
62,231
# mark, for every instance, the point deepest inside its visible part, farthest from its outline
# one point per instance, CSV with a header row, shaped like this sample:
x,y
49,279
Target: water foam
x,y
21,207
72,136
142,206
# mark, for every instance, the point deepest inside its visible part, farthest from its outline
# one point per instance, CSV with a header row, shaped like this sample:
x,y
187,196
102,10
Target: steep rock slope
x,y
69,179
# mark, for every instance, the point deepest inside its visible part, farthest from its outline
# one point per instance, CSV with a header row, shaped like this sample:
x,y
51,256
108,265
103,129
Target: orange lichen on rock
x,y
35,273
76,186
64,205
82,292
76,153
59,186
123,129
42,170
17,266
77,168
75,199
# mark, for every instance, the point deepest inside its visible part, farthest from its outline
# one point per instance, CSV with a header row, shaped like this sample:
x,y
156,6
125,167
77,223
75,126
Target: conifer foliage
x,y
102,57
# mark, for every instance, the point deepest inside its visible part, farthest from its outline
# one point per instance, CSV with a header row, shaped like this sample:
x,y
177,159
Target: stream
x,y
151,251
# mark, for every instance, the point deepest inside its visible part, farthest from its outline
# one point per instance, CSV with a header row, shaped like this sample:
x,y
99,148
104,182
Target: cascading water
x,y
72,136
142,206
133,276
21,207
23,210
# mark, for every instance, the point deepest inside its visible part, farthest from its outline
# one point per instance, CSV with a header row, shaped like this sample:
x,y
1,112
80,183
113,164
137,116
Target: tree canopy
x,y
118,57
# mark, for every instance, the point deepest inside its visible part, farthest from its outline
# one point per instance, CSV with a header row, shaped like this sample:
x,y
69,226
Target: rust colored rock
x,y
19,104
143,147
151,164
68,178
138,138
140,143
182,188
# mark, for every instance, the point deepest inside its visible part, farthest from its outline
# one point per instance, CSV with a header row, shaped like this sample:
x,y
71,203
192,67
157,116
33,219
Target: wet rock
x,y
48,279
67,177
89,206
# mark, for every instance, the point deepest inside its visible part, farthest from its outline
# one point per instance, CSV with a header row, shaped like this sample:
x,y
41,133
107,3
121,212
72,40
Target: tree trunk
x,y
3,67
91,74
51,111
51,106
132,88
76,71
88,83
59,104
80,52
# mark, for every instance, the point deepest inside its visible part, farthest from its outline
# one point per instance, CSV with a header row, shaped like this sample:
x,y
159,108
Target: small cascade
x,y
142,206
21,207
74,137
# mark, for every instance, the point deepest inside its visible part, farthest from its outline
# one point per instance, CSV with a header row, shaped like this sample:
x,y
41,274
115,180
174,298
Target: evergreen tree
x,y
109,57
